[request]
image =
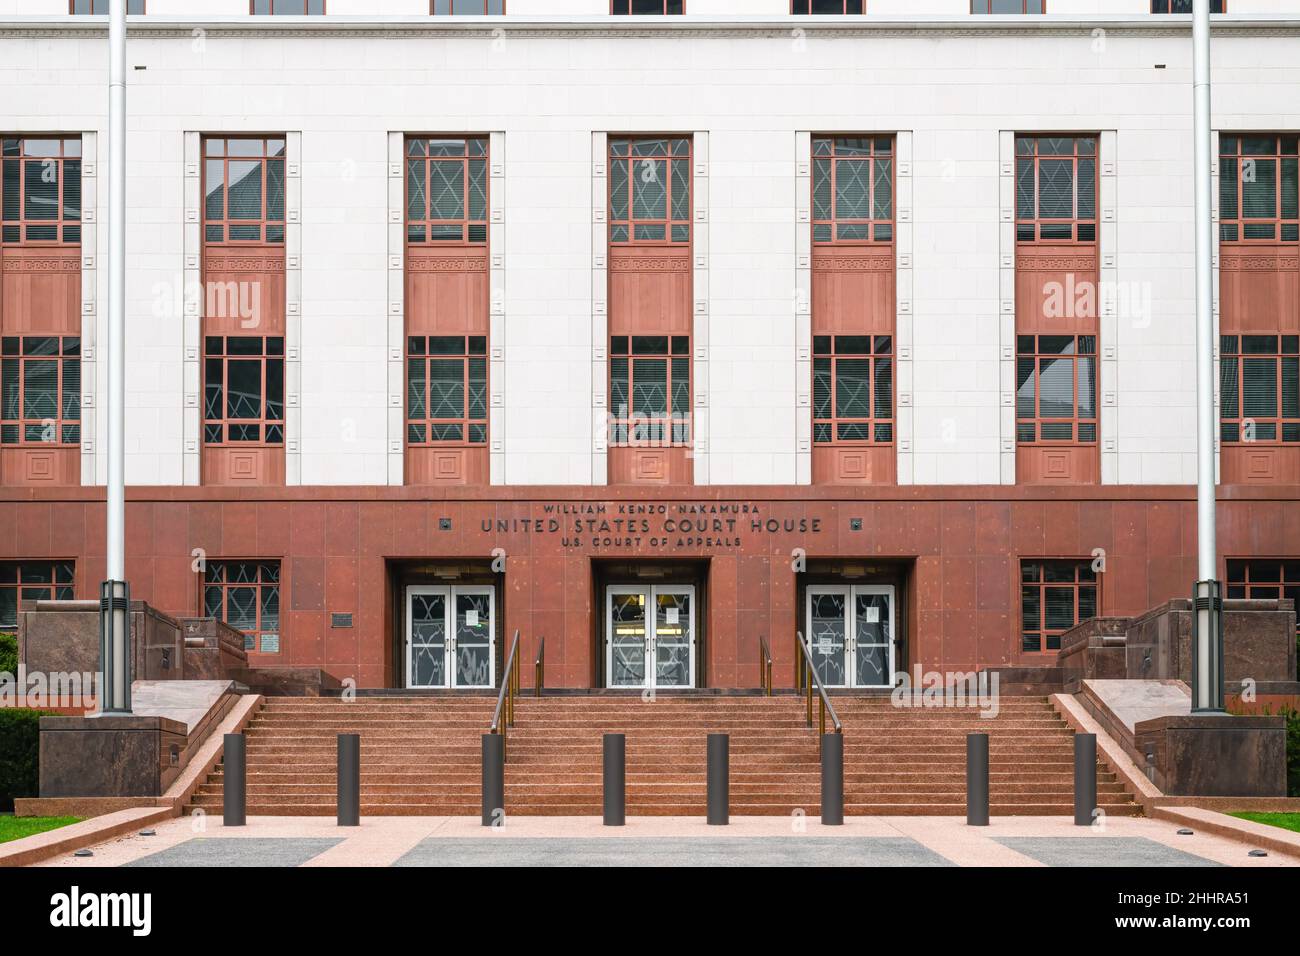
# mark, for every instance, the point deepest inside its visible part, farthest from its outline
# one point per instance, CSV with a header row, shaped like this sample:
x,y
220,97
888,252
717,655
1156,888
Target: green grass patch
x,y
15,828
1287,821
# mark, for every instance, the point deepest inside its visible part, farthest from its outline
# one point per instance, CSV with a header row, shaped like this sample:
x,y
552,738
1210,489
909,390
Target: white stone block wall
x,y
547,97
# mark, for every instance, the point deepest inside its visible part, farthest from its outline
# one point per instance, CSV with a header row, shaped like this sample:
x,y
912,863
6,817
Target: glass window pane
x,y
618,190
1228,388
1058,608
650,387
477,388
214,370
212,602
1289,205
650,190
1029,608
10,205
1087,603
1056,189
72,190
1087,388
852,388
447,190
681,386
1025,188
1056,388
1260,388
270,608
478,184
241,608
275,190
1087,189
884,388
1025,388
9,390
822,388
1228,189
72,389
852,188
1258,188
41,189
415,197
275,390
821,179
1290,388
40,389
446,388
244,389
681,190
618,387
883,200
245,201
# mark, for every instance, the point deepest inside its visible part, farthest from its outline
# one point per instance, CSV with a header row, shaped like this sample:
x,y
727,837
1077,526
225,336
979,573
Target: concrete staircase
x,y
420,756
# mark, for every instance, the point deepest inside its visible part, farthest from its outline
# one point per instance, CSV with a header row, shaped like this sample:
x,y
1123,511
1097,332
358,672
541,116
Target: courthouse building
x,y
653,328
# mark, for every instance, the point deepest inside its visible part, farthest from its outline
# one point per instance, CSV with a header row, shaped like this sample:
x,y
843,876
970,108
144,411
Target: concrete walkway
x,y
664,841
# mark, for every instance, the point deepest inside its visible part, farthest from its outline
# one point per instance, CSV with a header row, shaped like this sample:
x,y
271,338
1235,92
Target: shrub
x,y
1292,751
9,654
19,754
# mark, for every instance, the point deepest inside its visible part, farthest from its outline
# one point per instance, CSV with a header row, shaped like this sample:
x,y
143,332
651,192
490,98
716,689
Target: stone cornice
x,y
564,27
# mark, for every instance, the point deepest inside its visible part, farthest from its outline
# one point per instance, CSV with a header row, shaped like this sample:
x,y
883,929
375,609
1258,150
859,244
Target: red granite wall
x,y
337,546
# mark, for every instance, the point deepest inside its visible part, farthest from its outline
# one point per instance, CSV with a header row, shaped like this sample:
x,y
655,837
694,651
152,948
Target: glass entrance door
x,y
650,636
426,637
450,636
850,631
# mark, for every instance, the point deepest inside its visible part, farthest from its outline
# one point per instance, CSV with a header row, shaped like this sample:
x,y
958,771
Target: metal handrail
x,y
811,679
539,668
764,665
503,718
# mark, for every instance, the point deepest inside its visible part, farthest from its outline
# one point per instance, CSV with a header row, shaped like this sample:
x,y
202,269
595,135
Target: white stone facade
x,y
753,87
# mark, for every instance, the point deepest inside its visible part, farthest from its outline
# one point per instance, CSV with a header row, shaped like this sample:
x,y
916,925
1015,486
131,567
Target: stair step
x,y
421,755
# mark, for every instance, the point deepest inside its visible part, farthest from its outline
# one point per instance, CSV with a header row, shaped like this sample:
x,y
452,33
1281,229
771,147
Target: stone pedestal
x,y
1215,755
62,637
110,756
213,649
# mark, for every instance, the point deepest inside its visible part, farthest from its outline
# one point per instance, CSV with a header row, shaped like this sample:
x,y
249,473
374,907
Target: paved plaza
x,y
669,841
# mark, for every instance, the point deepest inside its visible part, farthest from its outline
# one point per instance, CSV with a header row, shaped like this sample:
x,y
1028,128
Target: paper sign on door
x,y
471,618
873,615
672,615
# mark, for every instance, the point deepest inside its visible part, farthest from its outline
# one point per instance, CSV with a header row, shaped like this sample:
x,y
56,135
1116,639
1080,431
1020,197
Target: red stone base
x,y
952,553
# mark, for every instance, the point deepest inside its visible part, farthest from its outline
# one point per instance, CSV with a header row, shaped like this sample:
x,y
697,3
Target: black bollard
x,y
977,780
349,780
832,780
494,779
1085,779
615,767
719,783
234,781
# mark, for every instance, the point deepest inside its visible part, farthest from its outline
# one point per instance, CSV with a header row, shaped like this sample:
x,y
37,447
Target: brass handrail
x,y
765,665
810,679
503,718
539,668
